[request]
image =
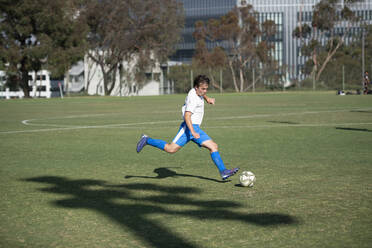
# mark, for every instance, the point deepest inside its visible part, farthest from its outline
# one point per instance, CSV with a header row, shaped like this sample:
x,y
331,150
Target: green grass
x,y
70,176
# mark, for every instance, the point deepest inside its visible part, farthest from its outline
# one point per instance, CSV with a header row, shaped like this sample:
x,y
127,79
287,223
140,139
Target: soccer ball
x,y
247,179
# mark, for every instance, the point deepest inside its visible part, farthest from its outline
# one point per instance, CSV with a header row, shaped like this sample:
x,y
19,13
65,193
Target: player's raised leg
x,y
142,142
172,148
146,140
158,143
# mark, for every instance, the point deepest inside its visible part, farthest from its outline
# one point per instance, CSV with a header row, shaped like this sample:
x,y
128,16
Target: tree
x,y
181,76
212,61
38,32
348,59
368,48
327,16
244,40
139,33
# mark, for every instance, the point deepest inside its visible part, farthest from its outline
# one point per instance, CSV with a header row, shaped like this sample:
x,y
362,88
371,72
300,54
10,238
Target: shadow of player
x,y
138,202
165,172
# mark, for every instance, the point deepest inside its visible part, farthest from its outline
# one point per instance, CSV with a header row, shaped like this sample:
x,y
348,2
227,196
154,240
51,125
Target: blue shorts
x,y
184,135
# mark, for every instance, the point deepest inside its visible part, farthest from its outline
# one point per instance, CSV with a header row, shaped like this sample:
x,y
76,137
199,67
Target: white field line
x,y
295,125
135,125
167,127
28,122
287,114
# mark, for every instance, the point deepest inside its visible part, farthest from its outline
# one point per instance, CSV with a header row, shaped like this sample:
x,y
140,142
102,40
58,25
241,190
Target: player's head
x,y
201,84
201,79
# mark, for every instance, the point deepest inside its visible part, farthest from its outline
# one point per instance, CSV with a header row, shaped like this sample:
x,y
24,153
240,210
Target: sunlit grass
x,y
70,176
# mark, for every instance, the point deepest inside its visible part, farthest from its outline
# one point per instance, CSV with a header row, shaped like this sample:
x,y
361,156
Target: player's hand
x,y
196,135
211,100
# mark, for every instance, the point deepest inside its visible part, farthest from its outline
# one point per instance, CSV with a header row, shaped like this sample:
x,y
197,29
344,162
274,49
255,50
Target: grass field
x,y
70,176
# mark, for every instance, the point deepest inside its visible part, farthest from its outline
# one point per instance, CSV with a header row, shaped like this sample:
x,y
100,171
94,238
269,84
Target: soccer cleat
x,y
228,173
142,142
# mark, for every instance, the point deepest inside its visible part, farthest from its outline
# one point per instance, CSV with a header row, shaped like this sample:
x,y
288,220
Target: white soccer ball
x,y
247,179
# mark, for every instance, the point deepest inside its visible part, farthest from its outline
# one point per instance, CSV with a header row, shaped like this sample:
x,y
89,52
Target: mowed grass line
x,y
87,187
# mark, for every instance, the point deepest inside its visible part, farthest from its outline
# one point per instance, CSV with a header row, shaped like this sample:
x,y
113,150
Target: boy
x,y
193,112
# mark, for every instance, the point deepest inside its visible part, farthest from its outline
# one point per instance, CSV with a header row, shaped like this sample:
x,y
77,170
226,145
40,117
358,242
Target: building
x,y
287,14
198,10
2,79
76,78
155,82
293,12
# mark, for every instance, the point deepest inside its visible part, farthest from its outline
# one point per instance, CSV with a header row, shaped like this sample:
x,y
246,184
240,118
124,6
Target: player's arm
x,y
189,124
209,99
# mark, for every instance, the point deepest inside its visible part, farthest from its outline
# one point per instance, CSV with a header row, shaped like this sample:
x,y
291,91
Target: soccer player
x,y
192,111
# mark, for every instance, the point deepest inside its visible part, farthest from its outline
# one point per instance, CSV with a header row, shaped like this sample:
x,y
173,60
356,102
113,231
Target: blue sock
x,y
218,161
156,143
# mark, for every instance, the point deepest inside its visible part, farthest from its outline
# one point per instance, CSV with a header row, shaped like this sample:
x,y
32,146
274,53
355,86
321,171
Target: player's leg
x,y
207,142
181,139
172,148
210,145
146,140
178,142
158,143
215,155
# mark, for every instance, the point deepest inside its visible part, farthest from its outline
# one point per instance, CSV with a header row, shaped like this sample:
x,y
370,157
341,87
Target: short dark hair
x,y
201,79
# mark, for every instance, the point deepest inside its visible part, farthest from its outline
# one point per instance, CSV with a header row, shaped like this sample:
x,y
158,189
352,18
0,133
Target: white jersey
x,y
195,105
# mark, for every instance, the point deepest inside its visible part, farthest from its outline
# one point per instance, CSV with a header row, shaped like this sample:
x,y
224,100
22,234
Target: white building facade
x,y
155,82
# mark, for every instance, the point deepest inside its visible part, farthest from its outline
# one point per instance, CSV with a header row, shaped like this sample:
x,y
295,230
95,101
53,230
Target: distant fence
x,y
7,94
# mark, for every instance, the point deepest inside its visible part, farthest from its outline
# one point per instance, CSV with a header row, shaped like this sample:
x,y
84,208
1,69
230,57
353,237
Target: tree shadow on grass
x,y
145,199
362,111
164,172
285,122
354,129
